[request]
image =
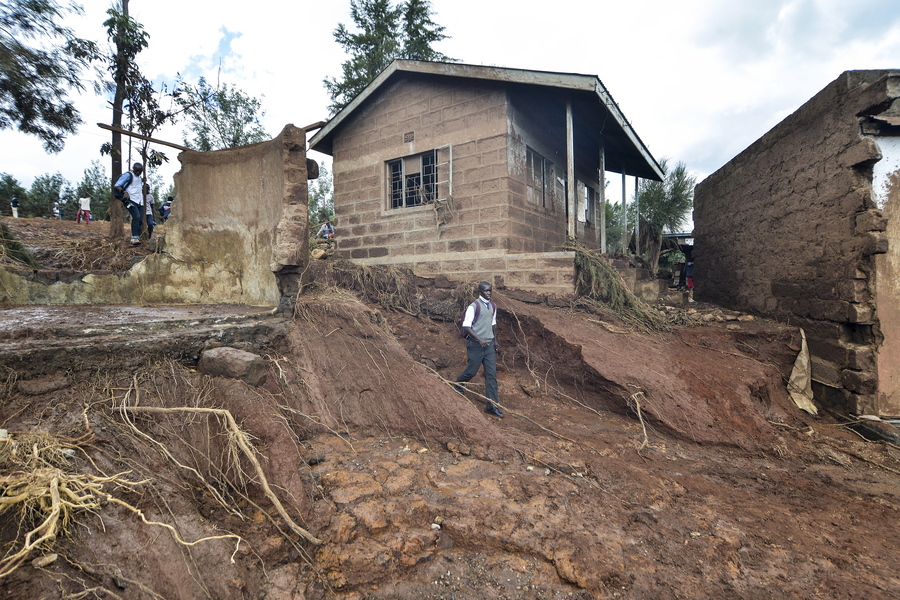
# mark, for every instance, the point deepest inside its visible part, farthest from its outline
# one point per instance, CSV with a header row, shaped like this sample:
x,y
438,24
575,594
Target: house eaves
x,y
632,157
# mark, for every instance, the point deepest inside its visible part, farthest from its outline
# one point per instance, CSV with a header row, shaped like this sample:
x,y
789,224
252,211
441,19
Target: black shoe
x,y
492,409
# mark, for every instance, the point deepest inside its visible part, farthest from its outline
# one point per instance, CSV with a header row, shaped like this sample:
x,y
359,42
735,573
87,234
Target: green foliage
x,y
321,199
45,196
128,38
224,117
40,61
664,205
11,188
598,283
420,32
384,34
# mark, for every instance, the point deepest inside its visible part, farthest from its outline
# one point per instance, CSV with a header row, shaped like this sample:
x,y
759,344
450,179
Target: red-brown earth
x,y
629,464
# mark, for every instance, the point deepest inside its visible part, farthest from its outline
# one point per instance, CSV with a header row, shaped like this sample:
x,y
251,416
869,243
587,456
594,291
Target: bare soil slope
x,y
629,465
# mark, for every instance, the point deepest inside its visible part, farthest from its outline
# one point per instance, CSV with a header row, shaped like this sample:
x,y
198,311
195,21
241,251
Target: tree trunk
x,y
115,206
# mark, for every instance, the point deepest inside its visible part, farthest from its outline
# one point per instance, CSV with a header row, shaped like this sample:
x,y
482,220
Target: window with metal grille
x,y
412,180
539,171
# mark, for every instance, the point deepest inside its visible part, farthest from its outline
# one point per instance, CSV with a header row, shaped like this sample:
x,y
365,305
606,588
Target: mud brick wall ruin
x,y
789,229
237,235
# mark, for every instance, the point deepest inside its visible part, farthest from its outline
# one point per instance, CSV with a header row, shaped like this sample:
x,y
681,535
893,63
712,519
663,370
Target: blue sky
x,y
699,79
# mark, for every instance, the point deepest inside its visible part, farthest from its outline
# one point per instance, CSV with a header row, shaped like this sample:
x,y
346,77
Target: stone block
x,y
233,363
860,313
825,372
861,358
874,243
870,220
862,404
860,382
461,246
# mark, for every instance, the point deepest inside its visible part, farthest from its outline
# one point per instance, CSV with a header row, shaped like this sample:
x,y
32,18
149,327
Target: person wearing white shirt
x,y
84,209
480,326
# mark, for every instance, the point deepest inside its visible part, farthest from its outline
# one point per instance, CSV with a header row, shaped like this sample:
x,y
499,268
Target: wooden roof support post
x,y
570,171
602,204
637,219
624,218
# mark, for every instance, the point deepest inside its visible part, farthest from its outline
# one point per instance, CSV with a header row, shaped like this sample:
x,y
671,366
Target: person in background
x,y
148,200
165,209
14,204
689,276
326,231
84,209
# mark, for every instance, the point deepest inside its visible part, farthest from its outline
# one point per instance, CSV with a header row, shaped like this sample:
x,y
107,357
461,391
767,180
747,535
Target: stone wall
x,y
238,220
551,273
435,115
789,229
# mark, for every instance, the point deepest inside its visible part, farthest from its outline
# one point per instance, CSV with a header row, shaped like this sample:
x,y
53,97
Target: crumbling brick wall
x,y
789,229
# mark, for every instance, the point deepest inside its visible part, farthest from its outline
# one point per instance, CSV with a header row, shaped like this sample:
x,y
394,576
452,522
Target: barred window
x,y
412,180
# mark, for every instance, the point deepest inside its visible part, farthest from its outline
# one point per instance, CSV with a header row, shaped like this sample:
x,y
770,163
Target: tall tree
x,y
384,33
40,62
128,38
664,205
224,117
45,196
420,32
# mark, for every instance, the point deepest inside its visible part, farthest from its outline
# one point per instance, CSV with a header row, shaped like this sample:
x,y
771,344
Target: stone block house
x,y
477,172
804,226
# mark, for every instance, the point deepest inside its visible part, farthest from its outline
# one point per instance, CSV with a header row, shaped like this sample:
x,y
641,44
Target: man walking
x,y
128,188
480,325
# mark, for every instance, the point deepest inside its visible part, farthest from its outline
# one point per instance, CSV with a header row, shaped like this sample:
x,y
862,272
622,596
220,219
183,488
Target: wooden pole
x,y
140,136
637,220
624,218
570,171
602,202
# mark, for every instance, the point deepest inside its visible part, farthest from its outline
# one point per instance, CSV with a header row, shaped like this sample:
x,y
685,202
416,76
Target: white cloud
x,y
699,79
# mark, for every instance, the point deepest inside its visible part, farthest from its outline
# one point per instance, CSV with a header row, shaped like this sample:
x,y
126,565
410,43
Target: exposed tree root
x,y
239,437
47,497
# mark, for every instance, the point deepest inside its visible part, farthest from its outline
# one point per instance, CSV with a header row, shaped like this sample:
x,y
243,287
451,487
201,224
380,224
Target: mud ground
x,y
711,485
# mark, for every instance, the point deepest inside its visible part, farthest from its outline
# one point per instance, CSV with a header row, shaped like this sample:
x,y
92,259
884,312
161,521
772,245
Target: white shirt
x,y
135,188
85,203
469,317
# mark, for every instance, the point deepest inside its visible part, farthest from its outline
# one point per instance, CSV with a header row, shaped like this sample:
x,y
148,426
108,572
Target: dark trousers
x,y
135,211
481,356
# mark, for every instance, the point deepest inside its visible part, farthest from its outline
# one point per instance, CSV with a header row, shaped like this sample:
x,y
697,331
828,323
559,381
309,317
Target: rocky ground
x,y
629,465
